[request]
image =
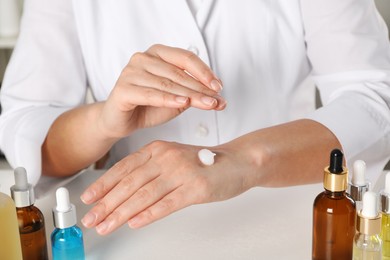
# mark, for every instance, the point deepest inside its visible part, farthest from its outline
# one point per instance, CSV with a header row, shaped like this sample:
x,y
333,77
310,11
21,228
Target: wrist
x,y
253,159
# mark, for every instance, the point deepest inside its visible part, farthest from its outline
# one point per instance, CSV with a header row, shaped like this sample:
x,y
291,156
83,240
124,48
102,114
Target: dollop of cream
x,y
206,157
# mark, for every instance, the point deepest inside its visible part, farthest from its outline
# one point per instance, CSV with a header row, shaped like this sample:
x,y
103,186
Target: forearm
x,y
74,141
288,154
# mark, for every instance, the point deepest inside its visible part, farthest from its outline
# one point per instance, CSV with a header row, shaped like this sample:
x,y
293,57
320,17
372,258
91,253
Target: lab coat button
x,y
202,131
193,49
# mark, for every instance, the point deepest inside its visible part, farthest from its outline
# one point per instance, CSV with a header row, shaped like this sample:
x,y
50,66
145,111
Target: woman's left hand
x,y
160,179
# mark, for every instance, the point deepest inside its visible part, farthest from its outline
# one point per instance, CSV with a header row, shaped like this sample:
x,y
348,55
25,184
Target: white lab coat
x,y
263,51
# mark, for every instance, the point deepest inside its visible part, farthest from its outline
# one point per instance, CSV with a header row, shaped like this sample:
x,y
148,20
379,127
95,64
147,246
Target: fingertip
x,y
88,196
216,85
88,220
209,101
221,105
103,228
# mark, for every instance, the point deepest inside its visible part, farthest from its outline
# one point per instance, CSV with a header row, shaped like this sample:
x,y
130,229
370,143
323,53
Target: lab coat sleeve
x,y
44,78
348,47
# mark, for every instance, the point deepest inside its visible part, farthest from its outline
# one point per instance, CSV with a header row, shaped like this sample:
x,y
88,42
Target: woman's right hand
x,y
156,86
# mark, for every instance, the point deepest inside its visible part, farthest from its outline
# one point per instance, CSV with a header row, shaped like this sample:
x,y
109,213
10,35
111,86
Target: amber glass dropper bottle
x,y
30,218
334,214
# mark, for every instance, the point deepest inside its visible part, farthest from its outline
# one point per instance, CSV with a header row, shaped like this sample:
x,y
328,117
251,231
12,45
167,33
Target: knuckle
x,y
155,47
119,166
99,187
157,145
178,75
148,214
127,184
117,216
168,205
101,207
166,84
173,152
137,57
143,194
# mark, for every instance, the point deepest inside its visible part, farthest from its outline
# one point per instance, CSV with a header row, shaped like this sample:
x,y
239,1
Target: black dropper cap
x,y
336,161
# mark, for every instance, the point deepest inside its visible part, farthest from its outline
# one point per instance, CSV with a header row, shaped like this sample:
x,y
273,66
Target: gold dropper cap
x,y
336,176
335,181
368,226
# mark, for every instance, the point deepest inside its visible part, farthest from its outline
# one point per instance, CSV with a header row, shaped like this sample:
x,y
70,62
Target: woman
x,y
172,77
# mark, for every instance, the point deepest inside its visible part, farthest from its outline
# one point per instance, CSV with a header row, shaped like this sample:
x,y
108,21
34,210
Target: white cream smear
x,y
206,157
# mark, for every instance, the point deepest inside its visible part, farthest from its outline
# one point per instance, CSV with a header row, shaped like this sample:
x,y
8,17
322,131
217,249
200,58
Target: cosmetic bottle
x,y
385,212
30,218
67,237
367,242
10,247
334,214
358,185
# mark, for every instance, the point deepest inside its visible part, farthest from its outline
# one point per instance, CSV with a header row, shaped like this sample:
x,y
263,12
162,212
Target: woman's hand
x,y
156,86
163,177
159,179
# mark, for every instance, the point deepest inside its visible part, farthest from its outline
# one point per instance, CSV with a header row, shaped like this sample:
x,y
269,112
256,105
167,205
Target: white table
x,y
262,223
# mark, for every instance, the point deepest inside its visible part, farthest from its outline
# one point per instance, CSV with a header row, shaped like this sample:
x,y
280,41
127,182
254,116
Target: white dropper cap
x,y
385,195
64,214
22,192
387,183
370,208
206,157
63,202
359,172
21,178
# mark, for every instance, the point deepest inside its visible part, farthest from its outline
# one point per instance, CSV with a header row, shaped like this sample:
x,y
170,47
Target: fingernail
x,y
181,100
215,85
222,104
208,101
133,223
88,219
87,196
102,227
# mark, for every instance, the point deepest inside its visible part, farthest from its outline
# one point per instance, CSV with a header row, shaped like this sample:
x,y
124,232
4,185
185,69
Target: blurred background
x,y
10,11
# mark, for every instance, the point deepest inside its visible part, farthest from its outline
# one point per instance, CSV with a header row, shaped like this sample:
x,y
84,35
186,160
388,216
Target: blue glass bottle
x,y
67,237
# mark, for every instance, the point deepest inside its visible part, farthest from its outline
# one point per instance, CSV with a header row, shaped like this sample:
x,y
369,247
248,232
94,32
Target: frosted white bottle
x,y
9,18
358,185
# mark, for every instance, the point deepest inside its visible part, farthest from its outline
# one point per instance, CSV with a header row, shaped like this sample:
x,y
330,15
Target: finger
x,y
143,198
156,66
188,61
197,99
106,182
174,201
120,193
135,96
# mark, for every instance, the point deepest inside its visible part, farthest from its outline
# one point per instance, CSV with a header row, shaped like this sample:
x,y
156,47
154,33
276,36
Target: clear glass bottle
x,y
385,211
334,214
358,185
10,247
30,218
67,237
367,243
